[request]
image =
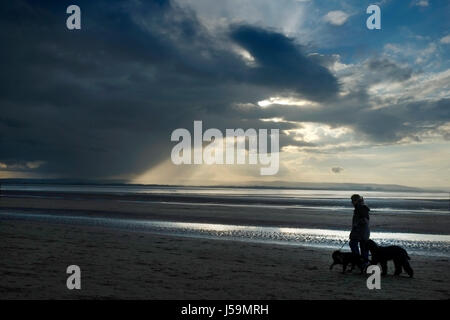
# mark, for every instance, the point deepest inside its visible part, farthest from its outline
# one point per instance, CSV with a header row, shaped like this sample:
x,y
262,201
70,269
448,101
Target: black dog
x,y
346,258
382,255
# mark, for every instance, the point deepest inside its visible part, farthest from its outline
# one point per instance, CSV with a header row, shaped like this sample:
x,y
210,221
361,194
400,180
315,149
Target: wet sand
x,y
138,265
170,210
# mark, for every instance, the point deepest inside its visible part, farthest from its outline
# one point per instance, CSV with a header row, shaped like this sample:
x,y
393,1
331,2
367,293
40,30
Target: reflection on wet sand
x,y
429,244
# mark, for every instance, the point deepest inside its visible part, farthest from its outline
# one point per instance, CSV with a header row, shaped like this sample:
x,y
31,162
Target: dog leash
x,y
370,253
342,246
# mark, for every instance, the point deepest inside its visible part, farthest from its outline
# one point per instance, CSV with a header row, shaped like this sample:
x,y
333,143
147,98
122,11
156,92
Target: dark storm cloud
x,y
280,62
74,92
402,120
102,101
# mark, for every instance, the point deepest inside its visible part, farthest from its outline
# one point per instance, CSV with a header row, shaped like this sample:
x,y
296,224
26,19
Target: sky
x,y
353,105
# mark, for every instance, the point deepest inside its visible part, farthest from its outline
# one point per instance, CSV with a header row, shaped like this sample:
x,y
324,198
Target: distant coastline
x,y
249,185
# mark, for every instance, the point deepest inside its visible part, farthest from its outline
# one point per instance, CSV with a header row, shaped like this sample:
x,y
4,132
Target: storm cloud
x,y
102,102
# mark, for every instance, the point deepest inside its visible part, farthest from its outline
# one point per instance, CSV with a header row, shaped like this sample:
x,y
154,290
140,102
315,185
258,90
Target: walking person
x,y
360,228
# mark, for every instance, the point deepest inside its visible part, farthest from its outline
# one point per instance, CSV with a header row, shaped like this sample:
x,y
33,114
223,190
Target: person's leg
x,y
364,250
354,246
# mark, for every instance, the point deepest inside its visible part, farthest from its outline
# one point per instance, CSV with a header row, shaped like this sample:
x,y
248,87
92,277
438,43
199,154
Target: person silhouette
x,y
360,232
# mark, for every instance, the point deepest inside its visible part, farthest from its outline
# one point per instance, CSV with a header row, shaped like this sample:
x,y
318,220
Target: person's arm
x,y
362,216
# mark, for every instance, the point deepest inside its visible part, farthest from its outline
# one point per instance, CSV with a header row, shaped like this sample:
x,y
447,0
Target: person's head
x,y
356,198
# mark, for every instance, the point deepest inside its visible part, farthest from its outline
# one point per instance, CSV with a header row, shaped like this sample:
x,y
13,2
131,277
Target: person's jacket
x,y
360,223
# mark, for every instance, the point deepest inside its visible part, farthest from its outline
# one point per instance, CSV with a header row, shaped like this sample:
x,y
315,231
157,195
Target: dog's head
x,y
337,257
371,245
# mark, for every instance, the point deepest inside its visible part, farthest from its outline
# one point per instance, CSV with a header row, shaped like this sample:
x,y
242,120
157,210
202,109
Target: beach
x,y
171,149
130,263
126,265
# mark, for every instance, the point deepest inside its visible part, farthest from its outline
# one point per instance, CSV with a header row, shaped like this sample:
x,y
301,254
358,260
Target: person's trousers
x,y
355,248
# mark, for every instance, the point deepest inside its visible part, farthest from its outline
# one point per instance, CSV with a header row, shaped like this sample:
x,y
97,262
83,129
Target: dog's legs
x,y
344,267
332,265
363,268
383,268
352,266
398,267
408,268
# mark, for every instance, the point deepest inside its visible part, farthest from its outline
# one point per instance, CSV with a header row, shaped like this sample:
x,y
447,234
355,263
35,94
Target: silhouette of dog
x,y
346,258
382,255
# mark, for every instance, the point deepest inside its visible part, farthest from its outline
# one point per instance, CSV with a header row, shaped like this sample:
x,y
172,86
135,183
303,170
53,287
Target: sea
x,y
411,203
